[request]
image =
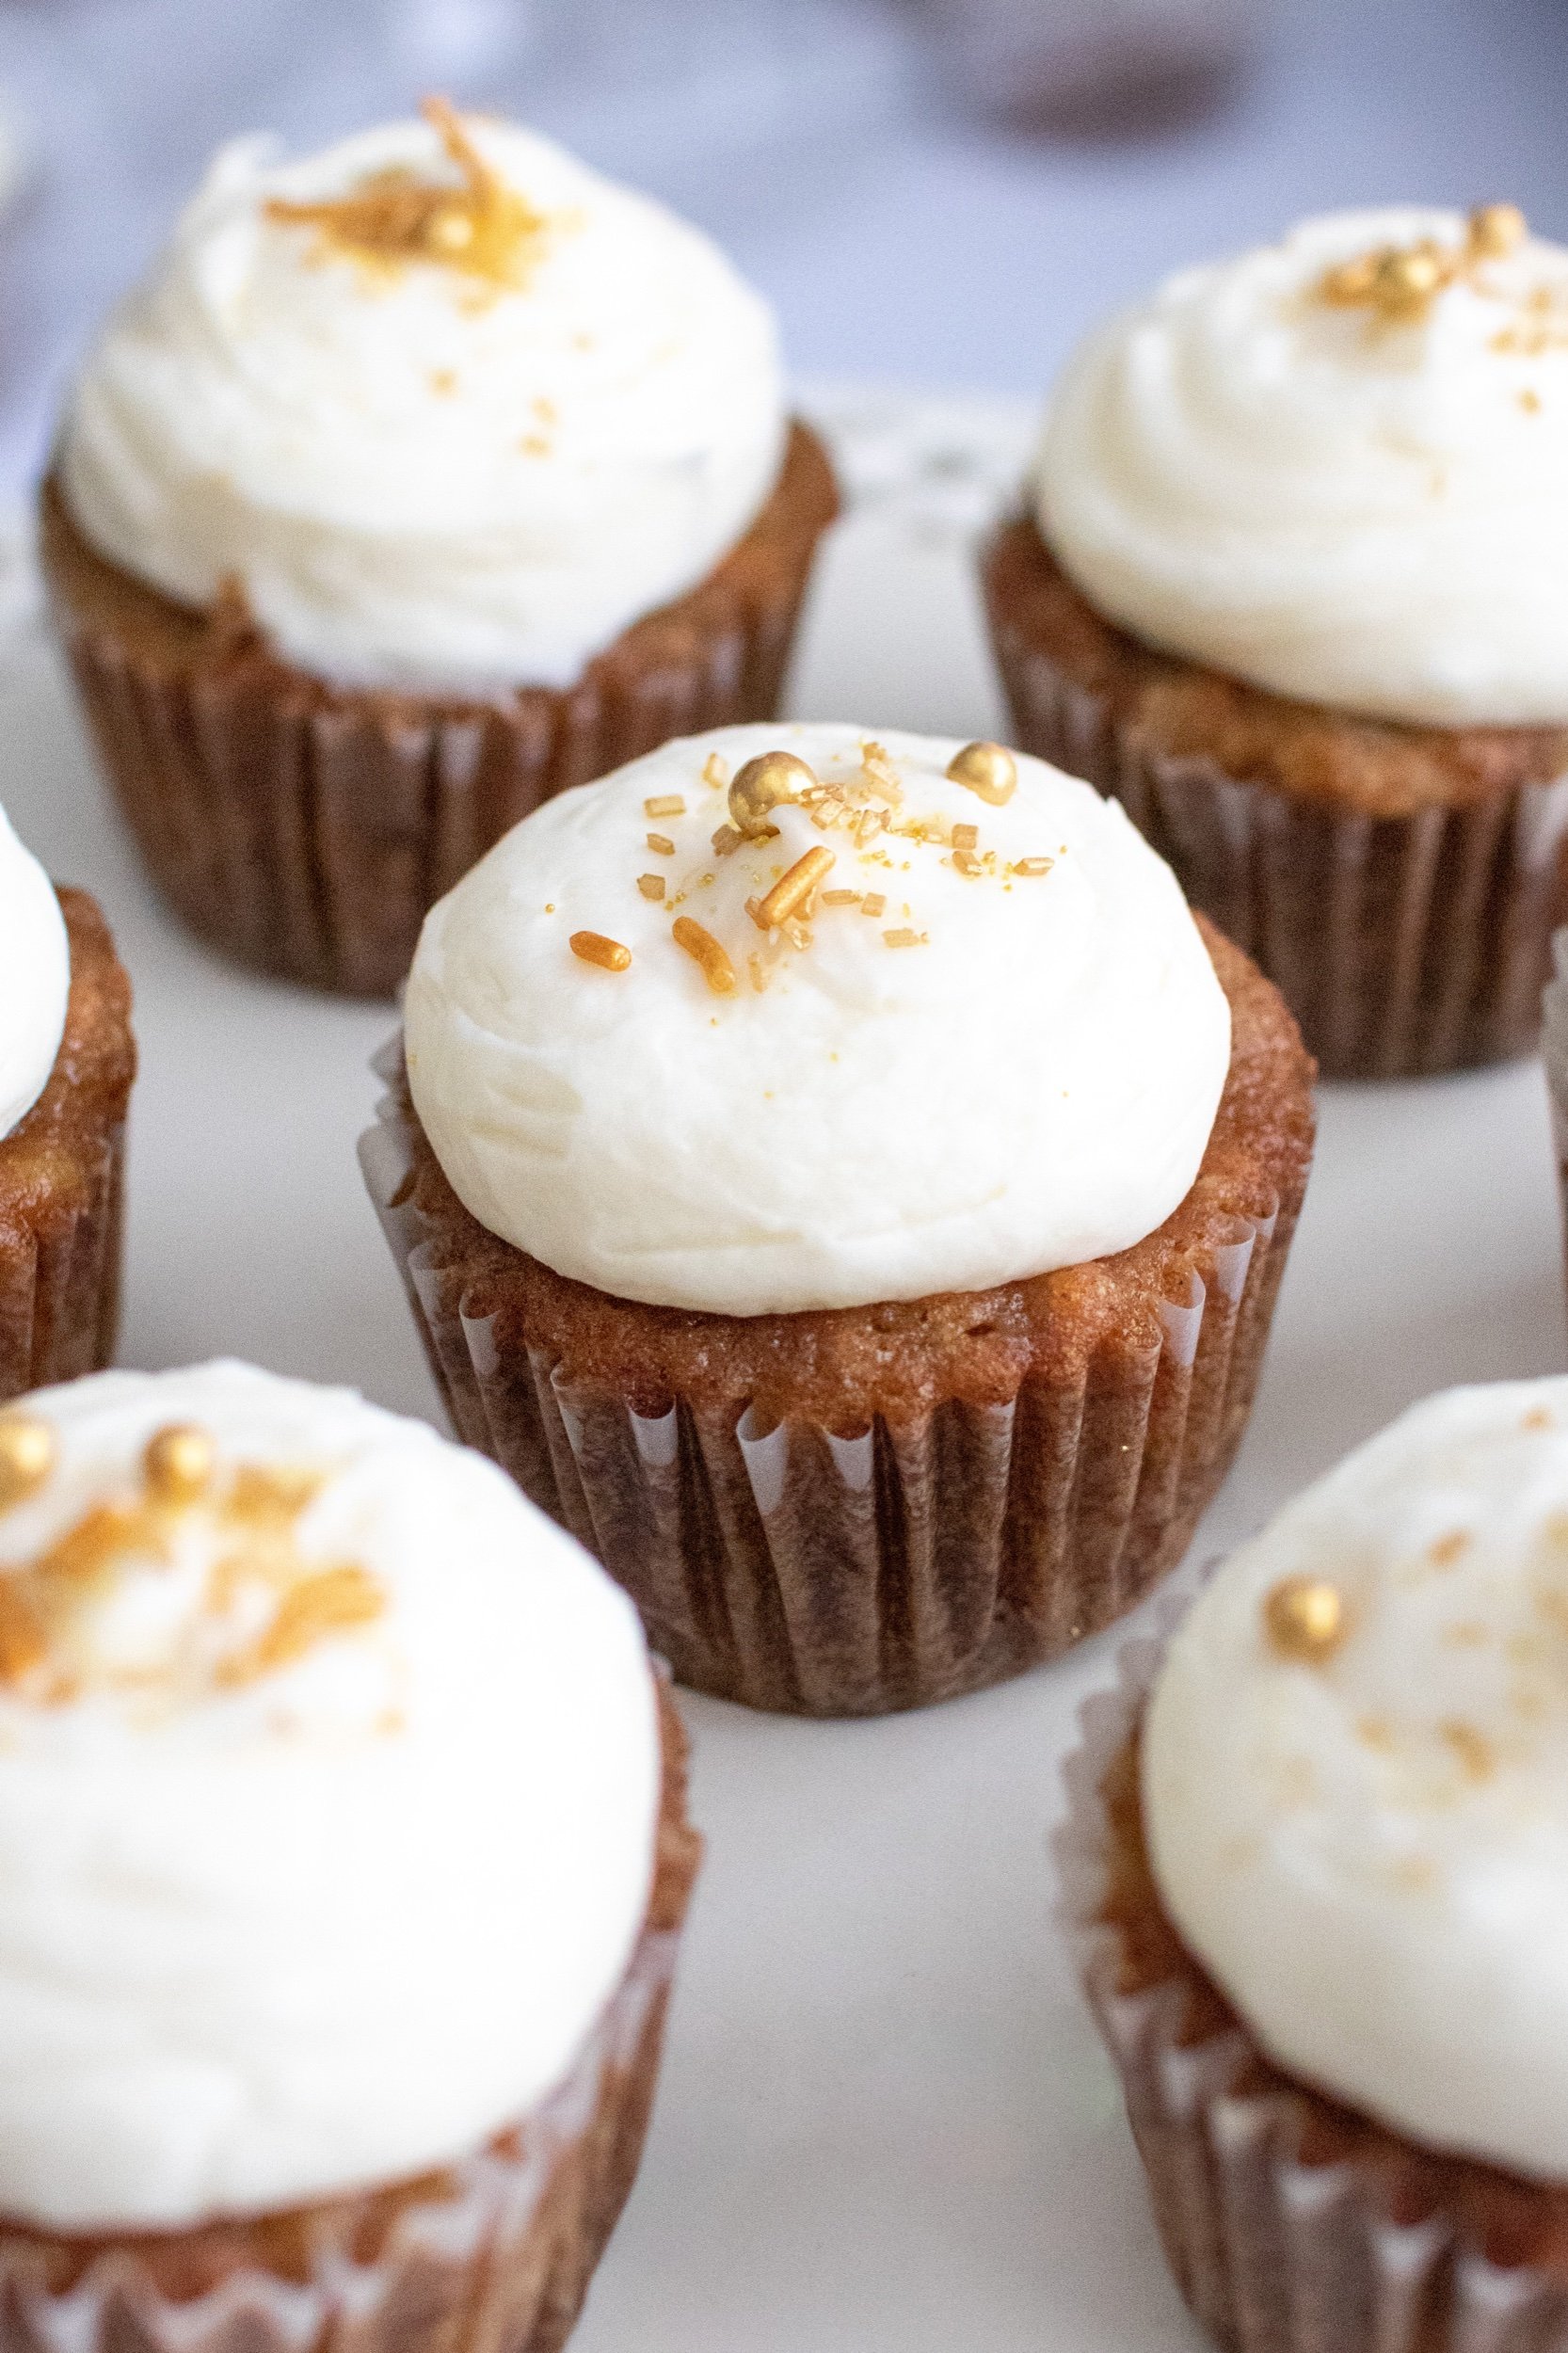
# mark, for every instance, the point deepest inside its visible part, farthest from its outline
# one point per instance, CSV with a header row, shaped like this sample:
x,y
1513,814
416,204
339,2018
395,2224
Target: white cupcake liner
x,y
1403,945
792,1568
1273,2253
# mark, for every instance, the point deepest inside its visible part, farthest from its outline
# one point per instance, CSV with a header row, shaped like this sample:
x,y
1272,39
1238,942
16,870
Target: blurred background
x,y
934,193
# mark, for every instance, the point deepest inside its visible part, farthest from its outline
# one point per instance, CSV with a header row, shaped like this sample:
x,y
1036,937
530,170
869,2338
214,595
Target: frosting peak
x,y
449,408
1333,467
34,979
328,1789
1355,1778
753,1034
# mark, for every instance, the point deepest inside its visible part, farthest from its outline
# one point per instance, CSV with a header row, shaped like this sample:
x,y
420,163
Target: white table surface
x,y
885,2124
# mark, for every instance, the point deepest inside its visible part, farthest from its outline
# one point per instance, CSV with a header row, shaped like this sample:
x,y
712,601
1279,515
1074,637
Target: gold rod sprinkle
x,y
593,948
706,951
791,891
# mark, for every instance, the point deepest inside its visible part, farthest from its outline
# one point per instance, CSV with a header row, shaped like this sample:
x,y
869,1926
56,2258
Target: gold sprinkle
x,y
906,939
1445,1551
966,837
651,886
24,1644
1477,1758
1031,866
27,1455
791,891
477,225
705,949
715,772
841,898
726,839
593,947
761,786
967,862
1537,1418
759,973
665,805
874,903
178,1462
986,769
333,1601
1497,228
1530,403
660,845
1306,1619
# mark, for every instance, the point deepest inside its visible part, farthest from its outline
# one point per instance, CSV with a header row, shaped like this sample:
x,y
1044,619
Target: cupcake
x,y
422,477
345,1857
67,1061
1291,586
1320,1881
841,1181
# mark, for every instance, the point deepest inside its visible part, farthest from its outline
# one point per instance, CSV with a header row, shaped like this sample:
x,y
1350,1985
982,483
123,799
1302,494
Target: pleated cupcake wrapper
x,y
1402,945
309,842
797,1569
59,1287
1554,1053
1272,2253
498,2264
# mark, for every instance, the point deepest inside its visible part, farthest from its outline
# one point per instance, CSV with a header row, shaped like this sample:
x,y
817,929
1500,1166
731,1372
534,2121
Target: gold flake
x,y
715,772
872,903
966,837
660,845
841,898
651,886
665,805
906,939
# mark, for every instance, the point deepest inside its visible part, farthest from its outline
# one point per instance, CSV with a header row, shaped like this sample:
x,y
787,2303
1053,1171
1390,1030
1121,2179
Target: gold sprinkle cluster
x,y
866,804
1400,282
475,225
282,1604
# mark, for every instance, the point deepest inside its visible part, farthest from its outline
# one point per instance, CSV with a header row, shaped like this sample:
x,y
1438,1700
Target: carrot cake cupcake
x,y
840,1180
422,476
1319,1879
344,1857
67,1061
1291,583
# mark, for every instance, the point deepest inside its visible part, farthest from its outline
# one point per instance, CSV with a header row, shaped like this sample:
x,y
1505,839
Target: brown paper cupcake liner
x,y
306,830
786,1565
1291,2226
1403,945
493,2255
1554,1053
62,1180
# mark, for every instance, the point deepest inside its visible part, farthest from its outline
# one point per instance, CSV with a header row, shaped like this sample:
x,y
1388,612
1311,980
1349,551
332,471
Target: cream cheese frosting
x,y
418,475
329,1792
35,978
990,1043
1355,502
1365,1838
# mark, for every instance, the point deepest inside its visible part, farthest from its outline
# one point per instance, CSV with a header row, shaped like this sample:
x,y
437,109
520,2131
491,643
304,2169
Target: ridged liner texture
x,y
492,2256
1404,946
1292,2226
306,830
62,1171
793,1568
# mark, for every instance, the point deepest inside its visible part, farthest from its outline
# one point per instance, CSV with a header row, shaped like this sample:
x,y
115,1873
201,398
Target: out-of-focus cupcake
x,y
839,1180
344,1858
422,477
67,1060
1319,1884
1291,585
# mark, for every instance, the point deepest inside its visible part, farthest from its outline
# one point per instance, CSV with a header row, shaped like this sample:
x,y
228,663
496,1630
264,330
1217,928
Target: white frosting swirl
x,y
264,1937
1370,1854
1031,1084
418,482
35,978
1359,512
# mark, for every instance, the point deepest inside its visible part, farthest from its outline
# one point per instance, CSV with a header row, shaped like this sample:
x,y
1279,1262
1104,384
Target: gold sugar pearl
x,y
1305,1617
986,769
762,785
1497,228
178,1462
26,1456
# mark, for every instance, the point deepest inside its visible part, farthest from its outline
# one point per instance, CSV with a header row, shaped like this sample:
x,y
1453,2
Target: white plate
x,y
885,2123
